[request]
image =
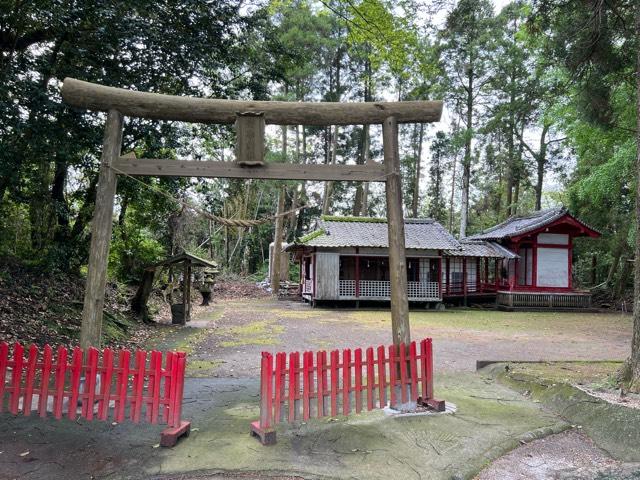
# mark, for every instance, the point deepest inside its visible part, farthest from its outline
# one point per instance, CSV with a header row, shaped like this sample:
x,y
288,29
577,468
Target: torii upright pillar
x,y
395,226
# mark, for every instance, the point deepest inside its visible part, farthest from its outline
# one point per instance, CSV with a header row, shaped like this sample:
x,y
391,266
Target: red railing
x,y
290,391
93,385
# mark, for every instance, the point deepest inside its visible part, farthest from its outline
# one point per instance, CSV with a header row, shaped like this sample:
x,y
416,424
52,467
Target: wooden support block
x,y
250,139
267,436
170,435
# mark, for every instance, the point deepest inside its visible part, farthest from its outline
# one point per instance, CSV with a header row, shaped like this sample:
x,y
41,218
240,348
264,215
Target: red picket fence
x,y
291,392
92,386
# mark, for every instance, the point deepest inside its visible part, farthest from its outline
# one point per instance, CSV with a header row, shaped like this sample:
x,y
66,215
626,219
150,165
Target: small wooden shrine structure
x,y
180,312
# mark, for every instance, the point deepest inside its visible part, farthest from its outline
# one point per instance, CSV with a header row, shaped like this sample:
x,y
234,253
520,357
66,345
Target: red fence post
x,y
370,379
358,381
16,378
76,372
413,366
294,385
307,382
91,373
178,427
61,372
106,376
392,376
346,381
427,378
263,428
382,377
44,381
31,374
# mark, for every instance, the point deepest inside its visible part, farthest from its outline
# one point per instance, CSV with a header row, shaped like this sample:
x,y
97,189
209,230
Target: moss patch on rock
x,y
614,428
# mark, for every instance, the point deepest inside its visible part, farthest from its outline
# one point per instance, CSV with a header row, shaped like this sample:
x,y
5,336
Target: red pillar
x,y
570,260
464,275
534,262
440,277
447,276
357,274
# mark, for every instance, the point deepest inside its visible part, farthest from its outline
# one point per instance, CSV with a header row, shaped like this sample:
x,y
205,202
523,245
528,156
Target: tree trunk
x,y
328,186
634,359
277,245
416,187
61,208
453,191
541,161
466,163
139,301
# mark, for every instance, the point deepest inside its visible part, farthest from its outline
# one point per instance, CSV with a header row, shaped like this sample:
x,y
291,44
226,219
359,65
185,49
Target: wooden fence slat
x,y
358,380
156,359
16,378
91,373
138,385
320,366
429,370
106,375
168,382
31,375
179,391
294,385
307,381
346,381
279,386
266,393
335,359
382,377
122,384
4,361
45,375
413,365
404,381
392,375
423,368
370,378
61,373
76,372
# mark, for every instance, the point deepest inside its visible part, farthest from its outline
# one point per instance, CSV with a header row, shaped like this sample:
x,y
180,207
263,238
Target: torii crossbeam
x,y
250,118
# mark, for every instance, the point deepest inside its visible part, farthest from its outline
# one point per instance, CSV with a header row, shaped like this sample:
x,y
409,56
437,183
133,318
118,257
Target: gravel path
x,y
568,455
239,330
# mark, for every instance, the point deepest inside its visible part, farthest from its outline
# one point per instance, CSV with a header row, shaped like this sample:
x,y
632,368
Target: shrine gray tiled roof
x,y
481,248
420,233
522,224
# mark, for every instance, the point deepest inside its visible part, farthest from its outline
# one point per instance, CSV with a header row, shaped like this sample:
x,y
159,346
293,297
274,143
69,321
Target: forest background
x,y
539,100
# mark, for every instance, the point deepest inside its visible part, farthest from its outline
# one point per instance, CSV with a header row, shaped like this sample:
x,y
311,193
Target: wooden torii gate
x,y
250,118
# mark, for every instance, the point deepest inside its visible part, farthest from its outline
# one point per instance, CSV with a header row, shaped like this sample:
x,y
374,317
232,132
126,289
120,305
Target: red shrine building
x,y
525,261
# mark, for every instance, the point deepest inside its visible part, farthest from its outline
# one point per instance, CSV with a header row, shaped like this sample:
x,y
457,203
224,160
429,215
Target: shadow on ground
x,y
490,421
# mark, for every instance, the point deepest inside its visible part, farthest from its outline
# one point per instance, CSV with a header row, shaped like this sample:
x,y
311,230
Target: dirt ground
x,y
236,331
